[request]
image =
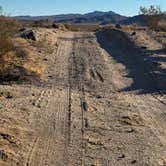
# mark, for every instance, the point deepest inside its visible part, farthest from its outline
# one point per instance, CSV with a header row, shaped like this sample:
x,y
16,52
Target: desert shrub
x,y
21,52
118,26
15,61
6,44
153,16
55,26
7,28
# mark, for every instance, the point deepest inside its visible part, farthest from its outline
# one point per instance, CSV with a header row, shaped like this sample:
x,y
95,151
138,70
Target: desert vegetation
x,y
153,17
7,28
16,63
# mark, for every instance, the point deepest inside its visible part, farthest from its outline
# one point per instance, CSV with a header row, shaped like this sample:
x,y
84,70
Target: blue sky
x,y
51,7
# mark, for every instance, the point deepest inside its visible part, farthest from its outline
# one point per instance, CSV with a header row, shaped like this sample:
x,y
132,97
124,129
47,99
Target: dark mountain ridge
x,y
96,17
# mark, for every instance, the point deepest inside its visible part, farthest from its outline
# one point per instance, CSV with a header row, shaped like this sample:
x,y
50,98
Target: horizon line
x,y
72,13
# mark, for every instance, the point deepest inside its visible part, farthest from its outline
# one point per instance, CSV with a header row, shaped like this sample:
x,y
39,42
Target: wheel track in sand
x,y
43,95
54,106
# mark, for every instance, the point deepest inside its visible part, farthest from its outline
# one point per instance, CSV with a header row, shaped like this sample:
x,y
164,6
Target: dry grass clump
x,y
7,61
43,45
6,45
34,66
7,48
16,61
30,61
21,64
31,64
7,27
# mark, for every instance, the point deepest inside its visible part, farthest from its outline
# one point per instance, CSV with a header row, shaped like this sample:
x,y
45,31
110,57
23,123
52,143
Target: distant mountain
x,y
139,20
94,17
50,18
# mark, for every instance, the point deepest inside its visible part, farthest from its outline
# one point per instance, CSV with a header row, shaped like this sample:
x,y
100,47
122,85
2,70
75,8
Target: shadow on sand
x,y
145,70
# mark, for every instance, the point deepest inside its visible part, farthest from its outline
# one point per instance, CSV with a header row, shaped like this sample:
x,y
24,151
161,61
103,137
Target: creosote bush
x,y
15,62
7,28
153,16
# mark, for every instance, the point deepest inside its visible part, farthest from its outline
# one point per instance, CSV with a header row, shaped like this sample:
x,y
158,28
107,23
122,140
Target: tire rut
x,y
52,120
80,69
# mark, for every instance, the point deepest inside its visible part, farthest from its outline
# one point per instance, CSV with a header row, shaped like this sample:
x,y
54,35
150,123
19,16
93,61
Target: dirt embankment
x,y
142,56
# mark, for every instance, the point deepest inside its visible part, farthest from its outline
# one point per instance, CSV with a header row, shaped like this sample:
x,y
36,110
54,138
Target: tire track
x,y
52,120
44,94
67,124
83,58
28,163
79,64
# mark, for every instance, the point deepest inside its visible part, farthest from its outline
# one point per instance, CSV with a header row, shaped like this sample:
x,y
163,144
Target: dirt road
x,y
95,109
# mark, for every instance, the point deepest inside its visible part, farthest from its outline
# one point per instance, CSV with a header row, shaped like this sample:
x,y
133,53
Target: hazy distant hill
x,y
51,18
139,19
94,17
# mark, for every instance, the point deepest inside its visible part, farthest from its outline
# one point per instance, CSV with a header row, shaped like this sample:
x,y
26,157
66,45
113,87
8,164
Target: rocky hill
x,y
98,17
94,17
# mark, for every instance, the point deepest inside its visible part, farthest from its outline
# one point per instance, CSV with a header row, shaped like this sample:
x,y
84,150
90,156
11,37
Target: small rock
x,y
21,29
9,96
133,33
28,35
122,156
133,162
86,123
98,97
59,26
129,130
118,26
143,47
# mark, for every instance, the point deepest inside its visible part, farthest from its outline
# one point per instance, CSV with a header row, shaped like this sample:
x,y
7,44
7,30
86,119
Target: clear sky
x,y
51,7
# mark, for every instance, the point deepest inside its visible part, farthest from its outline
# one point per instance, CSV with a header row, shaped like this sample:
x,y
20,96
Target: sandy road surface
x,y
83,115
